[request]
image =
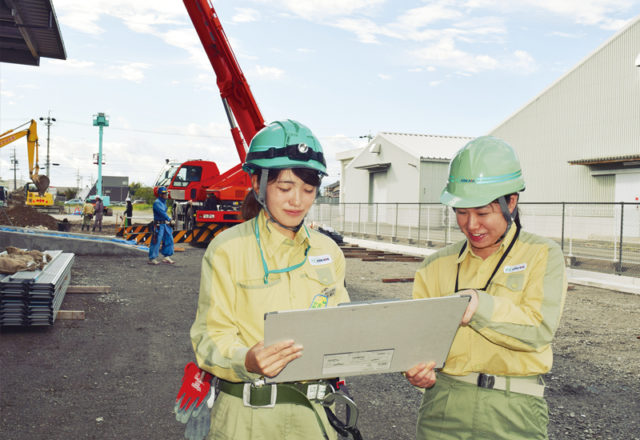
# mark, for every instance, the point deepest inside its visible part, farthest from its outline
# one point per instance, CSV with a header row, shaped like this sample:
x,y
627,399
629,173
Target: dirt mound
x,y
27,216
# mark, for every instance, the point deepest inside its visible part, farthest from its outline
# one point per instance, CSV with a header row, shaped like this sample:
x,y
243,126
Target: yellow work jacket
x,y
511,332
88,209
234,294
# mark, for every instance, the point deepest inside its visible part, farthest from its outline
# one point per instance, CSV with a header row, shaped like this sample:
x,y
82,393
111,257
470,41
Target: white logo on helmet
x,y
303,148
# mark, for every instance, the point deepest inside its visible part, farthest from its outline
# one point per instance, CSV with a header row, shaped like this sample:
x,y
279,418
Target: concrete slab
x,y
607,281
79,244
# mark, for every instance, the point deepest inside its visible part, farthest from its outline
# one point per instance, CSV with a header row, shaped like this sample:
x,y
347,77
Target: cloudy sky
x,y
345,68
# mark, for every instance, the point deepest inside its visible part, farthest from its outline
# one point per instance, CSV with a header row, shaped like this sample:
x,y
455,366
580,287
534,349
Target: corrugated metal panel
x,y
29,30
593,111
427,145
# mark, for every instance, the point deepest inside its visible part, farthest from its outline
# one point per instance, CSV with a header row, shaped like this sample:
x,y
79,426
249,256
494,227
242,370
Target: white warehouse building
x,y
579,140
398,168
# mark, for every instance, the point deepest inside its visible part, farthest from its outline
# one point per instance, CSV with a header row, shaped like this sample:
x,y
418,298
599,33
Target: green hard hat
x,y
285,144
482,171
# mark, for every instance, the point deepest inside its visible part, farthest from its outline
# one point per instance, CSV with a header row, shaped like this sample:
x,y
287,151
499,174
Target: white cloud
x,y
269,72
245,15
128,71
140,16
319,10
599,13
444,53
384,77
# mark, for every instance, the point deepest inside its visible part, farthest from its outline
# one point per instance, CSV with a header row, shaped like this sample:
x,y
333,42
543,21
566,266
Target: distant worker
x,y
99,211
162,234
128,212
270,262
491,386
87,215
212,202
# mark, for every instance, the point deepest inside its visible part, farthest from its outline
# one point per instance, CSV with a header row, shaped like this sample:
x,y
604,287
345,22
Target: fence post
x,y
419,218
395,232
619,268
562,232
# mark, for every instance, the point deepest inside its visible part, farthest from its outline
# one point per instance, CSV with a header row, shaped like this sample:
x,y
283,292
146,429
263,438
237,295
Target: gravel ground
x,y
115,374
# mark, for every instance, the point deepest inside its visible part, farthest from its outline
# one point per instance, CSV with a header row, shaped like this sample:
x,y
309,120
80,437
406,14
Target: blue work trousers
x,y
164,238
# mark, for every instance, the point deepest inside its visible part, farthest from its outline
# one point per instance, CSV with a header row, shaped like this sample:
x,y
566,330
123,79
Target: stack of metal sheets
x,y
33,298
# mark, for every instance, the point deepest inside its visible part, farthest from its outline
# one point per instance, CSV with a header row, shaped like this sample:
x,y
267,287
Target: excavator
x,y
36,192
205,201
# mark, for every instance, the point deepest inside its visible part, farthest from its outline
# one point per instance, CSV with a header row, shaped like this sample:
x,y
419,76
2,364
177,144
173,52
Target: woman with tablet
x,y
491,385
271,262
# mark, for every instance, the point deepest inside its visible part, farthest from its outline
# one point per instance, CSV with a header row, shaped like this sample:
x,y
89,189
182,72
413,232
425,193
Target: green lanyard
x,y
264,263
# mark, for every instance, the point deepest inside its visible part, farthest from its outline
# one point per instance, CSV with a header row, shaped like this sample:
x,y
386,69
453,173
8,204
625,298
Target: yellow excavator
x,y
39,196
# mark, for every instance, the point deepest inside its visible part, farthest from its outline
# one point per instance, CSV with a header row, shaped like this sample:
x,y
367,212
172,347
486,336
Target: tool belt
x,y
267,396
530,385
297,393
160,222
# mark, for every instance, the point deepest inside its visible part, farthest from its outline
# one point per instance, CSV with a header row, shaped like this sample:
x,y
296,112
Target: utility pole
x,y
368,136
100,121
49,123
14,162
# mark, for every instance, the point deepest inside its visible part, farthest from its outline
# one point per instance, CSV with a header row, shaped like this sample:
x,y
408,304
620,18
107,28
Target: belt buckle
x,y
486,381
246,396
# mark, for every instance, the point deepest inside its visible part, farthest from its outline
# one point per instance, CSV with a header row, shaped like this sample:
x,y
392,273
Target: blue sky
x,y
345,68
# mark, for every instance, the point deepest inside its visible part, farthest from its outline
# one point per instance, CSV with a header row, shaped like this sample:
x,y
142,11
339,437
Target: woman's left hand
x,y
422,375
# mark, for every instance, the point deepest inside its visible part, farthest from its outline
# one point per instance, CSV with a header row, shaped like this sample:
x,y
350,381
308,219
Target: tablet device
x,y
366,338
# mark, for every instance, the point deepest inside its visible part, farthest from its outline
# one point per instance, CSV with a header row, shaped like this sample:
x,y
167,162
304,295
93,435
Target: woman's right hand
x,y
269,361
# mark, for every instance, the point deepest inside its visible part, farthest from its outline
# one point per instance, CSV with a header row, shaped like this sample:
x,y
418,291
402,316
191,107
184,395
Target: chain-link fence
x,y
597,236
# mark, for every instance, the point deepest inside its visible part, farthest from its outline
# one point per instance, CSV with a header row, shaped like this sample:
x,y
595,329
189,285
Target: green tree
x,y
134,187
70,193
145,193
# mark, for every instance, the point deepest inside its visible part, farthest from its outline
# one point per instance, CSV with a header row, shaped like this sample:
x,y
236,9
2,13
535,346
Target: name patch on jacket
x,y
517,268
317,260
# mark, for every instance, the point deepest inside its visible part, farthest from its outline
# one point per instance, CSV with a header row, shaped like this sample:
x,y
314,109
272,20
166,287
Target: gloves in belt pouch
x,y
194,402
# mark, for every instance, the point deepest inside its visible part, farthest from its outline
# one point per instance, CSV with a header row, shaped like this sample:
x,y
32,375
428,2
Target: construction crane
x,y
41,182
205,201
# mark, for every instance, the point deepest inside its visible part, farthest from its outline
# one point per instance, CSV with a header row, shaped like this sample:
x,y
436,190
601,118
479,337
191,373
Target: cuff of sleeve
x,y
237,364
484,311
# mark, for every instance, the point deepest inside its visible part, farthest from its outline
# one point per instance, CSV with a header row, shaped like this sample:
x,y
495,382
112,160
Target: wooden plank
x,y
70,314
397,280
178,249
89,289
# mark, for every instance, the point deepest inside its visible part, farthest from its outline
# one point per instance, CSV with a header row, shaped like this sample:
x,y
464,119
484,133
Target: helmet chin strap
x,y
261,197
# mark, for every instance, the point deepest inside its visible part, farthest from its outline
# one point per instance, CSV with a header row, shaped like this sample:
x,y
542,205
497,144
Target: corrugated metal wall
x,y
433,178
593,111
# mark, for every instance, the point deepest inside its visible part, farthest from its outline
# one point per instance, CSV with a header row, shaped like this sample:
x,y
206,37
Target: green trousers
x,y
454,410
231,420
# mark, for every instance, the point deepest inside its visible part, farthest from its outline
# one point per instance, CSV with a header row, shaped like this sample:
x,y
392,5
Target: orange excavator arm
x,y
41,181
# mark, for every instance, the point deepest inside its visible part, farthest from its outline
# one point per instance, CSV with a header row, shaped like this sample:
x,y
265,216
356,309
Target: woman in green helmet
x,y
491,385
271,262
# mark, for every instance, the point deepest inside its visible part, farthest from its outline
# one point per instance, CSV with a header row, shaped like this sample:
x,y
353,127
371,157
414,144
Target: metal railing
x,y
593,233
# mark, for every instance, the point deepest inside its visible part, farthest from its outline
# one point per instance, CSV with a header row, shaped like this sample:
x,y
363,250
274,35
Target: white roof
x,y
427,146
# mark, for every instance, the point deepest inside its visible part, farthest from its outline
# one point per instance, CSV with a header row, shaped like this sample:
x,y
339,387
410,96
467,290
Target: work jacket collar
x,y
272,239
503,245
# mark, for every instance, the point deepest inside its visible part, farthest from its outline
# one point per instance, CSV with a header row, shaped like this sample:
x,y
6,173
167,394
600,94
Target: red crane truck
x,y
205,201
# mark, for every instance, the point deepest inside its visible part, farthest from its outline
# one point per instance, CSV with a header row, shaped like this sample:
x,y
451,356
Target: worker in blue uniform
x,y
162,238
